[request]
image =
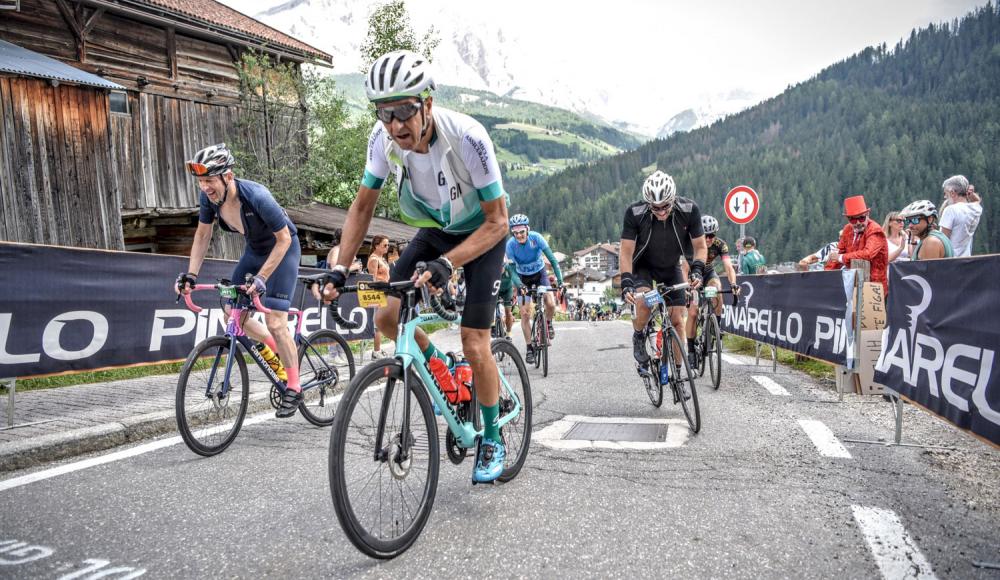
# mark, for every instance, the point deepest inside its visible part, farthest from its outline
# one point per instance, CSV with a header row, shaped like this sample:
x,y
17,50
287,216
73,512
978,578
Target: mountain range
x,y
477,53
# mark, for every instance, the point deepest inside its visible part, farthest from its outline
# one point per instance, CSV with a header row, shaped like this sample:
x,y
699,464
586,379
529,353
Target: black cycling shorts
x,y
482,275
645,277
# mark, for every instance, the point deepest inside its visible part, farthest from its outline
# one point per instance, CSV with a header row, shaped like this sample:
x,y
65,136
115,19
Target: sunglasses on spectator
x,y
856,218
900,220
912,220
401,112
519,231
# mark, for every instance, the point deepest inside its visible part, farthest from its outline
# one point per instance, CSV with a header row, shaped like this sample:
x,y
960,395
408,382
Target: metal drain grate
x,y
651,432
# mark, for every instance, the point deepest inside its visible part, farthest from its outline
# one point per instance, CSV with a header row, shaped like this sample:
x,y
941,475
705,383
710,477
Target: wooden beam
x,y
234,53
172,52
94,17
70,19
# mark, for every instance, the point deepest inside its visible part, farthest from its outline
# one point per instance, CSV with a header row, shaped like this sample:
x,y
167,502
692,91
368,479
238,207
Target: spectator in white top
x,y
961,218
897,236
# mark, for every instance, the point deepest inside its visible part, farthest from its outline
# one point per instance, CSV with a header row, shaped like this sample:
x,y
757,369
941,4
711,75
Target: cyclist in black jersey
x,y
656,233
718,249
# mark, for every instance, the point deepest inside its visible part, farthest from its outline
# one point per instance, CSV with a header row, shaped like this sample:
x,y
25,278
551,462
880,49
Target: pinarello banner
x,y
68,309
939,348
805,312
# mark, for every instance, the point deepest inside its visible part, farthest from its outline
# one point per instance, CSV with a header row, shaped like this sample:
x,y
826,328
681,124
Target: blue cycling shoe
x,y
489,464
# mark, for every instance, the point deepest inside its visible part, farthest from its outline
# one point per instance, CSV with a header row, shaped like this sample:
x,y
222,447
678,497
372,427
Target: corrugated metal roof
x,y
21,61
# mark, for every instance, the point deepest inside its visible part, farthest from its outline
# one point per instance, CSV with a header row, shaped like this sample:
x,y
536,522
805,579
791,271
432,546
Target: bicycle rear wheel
x,y
536,340
208,418
326,367
713,350
382,496
700,341
516,434
681,381
652,382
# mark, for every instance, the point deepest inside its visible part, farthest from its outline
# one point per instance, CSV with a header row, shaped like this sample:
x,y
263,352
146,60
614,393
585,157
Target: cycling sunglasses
x,y
519,231
197,169
660,208
401,112
912,220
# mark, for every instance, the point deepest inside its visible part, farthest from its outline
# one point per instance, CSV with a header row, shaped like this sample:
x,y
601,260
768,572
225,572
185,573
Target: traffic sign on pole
x,y
742,204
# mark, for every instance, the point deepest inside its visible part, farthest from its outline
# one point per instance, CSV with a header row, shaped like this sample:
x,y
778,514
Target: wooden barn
x,y
95,157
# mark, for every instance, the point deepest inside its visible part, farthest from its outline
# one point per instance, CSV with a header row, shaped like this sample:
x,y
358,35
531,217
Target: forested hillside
x,y
889,123
532,140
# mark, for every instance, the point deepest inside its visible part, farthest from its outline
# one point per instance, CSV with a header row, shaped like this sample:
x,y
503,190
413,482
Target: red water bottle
x,y
444,379
463,379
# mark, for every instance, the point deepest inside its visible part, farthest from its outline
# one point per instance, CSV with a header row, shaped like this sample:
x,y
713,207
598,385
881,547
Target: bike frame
x,y
235,334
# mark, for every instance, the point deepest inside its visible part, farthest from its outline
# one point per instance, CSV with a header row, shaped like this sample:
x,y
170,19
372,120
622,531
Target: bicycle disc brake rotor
x,y
399,468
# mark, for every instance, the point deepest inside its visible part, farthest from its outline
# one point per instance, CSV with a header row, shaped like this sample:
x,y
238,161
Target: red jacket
x,y
871,245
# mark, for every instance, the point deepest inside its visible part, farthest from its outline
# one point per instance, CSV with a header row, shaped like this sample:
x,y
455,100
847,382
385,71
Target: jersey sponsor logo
x,y
480,148
916,353
374,141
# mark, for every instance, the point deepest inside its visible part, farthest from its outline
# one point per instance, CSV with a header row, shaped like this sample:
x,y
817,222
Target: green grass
x,y
814,368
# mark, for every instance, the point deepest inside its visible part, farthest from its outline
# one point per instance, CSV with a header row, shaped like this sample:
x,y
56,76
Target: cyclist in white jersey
x,y
449,186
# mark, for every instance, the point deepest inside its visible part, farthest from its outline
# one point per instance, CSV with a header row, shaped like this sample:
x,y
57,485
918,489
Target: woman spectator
x,y
378,267
896,236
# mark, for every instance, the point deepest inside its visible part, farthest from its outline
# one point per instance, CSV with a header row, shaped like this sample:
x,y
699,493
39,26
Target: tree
x,y
389,29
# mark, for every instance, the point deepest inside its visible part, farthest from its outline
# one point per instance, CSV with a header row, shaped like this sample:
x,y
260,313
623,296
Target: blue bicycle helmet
x,y
519,219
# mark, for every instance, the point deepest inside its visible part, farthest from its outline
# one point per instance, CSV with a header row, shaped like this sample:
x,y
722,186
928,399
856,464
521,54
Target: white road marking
x,y
772,387
731,360
116,456
552,436
824,439
895,552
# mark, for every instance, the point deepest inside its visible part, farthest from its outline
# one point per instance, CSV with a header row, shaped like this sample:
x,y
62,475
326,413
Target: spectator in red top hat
x,y
861,239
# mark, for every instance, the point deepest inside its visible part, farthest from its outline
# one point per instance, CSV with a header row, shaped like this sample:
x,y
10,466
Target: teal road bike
x,y
384,446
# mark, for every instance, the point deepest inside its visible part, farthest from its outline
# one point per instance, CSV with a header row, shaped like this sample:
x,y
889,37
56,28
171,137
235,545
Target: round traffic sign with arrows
x,y
742,204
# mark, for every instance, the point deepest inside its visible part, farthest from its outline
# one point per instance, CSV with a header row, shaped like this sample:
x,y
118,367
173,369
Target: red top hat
x,y
855,205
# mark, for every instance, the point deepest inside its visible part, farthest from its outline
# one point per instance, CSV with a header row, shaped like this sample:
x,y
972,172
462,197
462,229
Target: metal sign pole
x,y
11,385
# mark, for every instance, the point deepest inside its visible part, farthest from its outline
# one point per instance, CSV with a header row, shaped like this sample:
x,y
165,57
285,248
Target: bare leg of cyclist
x,y
508,318
550,307
677,319
527,312
277,324
387,321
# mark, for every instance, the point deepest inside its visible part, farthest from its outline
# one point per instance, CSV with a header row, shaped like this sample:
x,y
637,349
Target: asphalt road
x,y
751,496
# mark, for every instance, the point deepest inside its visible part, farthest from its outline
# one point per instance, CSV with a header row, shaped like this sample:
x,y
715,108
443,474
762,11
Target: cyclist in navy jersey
x,y
271,256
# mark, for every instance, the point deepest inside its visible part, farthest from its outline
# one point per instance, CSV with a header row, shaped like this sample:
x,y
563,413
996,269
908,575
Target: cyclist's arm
x,y
730,271
625,256
700,248
283,240
202,237
492,231
554,263
515,280
359,217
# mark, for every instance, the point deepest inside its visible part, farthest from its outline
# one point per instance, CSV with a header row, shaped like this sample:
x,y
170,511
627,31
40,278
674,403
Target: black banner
x,y
66,309
805,312
939,348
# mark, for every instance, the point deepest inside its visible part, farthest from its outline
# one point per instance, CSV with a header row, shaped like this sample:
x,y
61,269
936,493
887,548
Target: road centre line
x,y
771,385
111,457
895,552
824,439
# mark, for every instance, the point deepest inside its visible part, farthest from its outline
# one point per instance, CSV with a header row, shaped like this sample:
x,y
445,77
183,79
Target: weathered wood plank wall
x,y
60,183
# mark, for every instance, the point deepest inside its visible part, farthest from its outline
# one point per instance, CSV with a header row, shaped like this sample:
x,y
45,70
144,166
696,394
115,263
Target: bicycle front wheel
x,y
536,339
384,460
211,402
516,434
681,380
326,367
713,350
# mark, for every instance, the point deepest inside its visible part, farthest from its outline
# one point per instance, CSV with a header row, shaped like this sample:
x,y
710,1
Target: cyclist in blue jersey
x,y
271,255
526,249
448,184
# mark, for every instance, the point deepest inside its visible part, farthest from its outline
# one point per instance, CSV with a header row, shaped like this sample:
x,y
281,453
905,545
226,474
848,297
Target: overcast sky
x,y
663,54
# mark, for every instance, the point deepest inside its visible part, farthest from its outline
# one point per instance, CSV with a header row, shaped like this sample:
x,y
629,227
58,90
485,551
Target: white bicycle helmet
x,y
397,75
709,224
922,208
519,219
659,189
212,160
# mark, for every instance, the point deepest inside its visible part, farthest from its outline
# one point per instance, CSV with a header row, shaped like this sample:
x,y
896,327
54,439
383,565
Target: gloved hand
x,y
185,282
697,276
440,271
258,286
628,287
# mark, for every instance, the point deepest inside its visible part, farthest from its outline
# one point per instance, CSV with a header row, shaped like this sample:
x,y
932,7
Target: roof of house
x,y
610,248
21,61
218,14
589,274
328,219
